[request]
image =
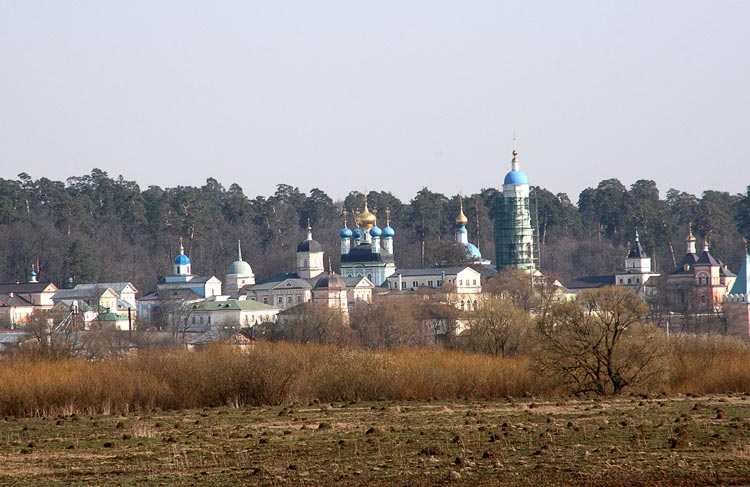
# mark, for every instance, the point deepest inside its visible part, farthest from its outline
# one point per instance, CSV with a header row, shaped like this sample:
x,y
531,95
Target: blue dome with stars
x,y
181,259
345,233
473,251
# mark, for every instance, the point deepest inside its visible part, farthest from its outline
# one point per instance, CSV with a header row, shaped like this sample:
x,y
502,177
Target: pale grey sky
x,y
388,95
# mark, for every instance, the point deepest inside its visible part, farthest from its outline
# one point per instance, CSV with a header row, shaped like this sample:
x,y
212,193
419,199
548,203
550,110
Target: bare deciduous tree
x,y
599,343
498,327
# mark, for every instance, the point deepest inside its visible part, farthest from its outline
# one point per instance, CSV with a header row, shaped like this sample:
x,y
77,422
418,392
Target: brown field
x,y
633,441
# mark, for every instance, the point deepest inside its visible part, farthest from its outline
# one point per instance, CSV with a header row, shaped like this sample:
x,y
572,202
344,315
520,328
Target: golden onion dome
x,y
461,218
690,237
366,219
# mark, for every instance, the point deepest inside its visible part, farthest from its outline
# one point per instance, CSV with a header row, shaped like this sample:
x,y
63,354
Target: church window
x,y
630,281
305,263
288,299
403,285
193,319
460,282
474,282
414,284
621,280
281,299
440,284
201,320
265,300
209,320
299,298
429,283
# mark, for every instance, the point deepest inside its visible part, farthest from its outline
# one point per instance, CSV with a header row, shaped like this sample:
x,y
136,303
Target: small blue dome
x,y
473,251
357,233
388,232
461,229
345,233
516,177
181,259
376,231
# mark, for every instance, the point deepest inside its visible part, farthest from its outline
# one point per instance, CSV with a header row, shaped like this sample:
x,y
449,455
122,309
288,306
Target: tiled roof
x,y
117,287
690,260
14,301
354,281
637,252
592,282
26,287
233,304
363,253
707,259
432,271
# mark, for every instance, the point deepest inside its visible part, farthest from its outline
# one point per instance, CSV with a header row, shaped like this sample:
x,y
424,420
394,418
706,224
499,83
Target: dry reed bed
x,y
271,373
282,373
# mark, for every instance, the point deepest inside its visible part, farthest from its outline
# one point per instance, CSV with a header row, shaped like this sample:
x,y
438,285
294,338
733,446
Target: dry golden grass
x,y
701,365
284,373
272,373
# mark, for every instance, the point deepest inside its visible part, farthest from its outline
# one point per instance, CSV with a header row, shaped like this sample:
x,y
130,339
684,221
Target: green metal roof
x,y
742,283
108,316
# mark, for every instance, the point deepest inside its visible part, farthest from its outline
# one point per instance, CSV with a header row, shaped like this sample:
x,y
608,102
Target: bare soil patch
x,y
629,441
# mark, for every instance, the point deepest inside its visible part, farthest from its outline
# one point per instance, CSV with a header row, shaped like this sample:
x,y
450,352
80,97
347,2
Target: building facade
x,y
368,250
701,280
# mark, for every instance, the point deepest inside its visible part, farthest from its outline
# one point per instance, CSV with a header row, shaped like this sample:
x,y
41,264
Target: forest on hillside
x,y
95,228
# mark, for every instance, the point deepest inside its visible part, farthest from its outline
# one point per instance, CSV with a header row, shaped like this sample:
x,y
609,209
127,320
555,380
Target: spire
x,y
705,244
461,219
343,212
387,217
182,248
239,250
514,164
309,230
690,240
741,286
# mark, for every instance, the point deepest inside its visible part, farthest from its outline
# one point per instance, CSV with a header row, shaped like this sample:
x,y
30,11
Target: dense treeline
x,y
96,228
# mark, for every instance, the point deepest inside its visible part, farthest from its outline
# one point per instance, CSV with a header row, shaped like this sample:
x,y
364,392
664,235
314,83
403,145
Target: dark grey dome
x,y
331,281
309,246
